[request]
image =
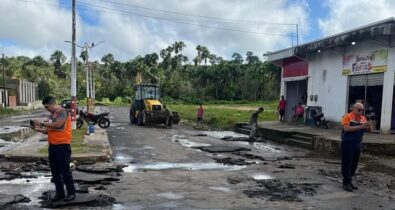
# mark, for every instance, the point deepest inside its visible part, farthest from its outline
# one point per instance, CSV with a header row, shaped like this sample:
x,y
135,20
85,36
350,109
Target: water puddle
x,y
261,176
170,195
187,143
148,147
184,166
222,189
221,134
119,157
262,146
29,187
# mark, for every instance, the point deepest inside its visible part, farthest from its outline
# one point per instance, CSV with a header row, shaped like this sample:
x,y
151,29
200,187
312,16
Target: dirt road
x,y
183,168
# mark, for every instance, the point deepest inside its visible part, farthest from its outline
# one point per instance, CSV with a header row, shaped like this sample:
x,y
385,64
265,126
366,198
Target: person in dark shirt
x,y
354,126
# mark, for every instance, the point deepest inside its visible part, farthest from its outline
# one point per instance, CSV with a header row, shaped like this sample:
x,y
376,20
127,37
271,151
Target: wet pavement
x,y
182,168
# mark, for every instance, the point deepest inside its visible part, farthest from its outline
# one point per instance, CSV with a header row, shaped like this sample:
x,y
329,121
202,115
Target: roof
x,y
381,28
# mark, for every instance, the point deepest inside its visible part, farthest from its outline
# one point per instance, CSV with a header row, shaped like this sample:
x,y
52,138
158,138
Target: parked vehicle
x,y
66,104
320,121
93,119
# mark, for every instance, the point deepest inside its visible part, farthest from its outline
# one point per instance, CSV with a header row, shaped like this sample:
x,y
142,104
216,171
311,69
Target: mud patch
x,y
276,190
6,201
100,168
88,200
260,156
232,161
222,148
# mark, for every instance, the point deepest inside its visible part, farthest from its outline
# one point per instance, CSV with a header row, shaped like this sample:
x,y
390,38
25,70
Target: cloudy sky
x,y
137,27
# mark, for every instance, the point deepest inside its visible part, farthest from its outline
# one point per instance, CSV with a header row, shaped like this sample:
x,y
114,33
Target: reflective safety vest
x,y
60,135
351,119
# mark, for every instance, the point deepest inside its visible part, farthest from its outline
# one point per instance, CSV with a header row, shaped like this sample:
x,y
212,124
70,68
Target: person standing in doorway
x,y
354,126
199,115
281,108
254,122
58,129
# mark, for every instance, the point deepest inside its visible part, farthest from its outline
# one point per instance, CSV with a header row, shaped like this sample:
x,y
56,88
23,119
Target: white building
x,y
336,71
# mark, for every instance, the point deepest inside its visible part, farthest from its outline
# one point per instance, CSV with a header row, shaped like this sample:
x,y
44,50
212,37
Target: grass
x,y
77,143
225,116
11,112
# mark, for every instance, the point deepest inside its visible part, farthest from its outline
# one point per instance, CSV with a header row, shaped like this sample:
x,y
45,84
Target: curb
x,y
100,138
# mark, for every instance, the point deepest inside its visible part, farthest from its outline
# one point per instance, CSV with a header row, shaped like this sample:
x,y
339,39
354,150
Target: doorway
x,y
296,92
368,90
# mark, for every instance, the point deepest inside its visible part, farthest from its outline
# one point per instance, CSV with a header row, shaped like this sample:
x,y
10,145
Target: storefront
x,y
354,66
294,77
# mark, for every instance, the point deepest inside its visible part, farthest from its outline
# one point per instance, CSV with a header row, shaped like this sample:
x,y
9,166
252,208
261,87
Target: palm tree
x,y
58,58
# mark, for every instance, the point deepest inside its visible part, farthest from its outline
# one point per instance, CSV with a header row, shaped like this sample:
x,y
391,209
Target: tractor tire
x,y
103,123
141,118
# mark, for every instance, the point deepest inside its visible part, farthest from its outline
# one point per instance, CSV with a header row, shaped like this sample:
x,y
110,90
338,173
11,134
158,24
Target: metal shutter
x,y
358,80
370,79
375,79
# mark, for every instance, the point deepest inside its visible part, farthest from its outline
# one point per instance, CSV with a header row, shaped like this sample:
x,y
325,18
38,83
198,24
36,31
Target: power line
x,y
199,16
119,11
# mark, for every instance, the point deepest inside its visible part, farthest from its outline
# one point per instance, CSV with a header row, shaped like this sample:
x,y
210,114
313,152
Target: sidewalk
x,y
28,150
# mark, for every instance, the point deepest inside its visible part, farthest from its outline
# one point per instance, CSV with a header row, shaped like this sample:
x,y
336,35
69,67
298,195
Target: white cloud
x,y
347,14
37,28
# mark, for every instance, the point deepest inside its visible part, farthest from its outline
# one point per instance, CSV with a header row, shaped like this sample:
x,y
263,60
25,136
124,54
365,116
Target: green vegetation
x,y
204,77
224,116
11,112
77,143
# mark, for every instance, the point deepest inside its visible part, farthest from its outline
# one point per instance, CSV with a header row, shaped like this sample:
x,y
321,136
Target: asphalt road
x,y
168,169
165,170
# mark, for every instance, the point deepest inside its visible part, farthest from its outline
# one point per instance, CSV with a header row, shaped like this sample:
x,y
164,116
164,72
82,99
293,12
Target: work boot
x,y
347,187
57,198
69,197
353,186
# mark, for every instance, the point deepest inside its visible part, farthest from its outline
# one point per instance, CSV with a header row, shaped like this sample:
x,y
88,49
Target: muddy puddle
x,y
262,146
183,166
277,190
29,187
221,189
180,139
222,134
15,133
170,195
261,176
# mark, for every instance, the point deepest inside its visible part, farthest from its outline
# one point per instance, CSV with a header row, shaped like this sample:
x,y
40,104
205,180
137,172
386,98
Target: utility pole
x,y
4,82
89,78
73,73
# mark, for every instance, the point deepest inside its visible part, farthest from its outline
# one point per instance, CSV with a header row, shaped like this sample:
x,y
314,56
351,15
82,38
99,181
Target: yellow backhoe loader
x,y
146,107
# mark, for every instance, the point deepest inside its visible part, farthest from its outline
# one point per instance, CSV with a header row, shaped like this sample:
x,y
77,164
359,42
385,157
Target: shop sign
x,y
365,63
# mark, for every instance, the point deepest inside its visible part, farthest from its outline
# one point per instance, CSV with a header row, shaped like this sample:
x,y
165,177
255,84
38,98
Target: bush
x,y
118,101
